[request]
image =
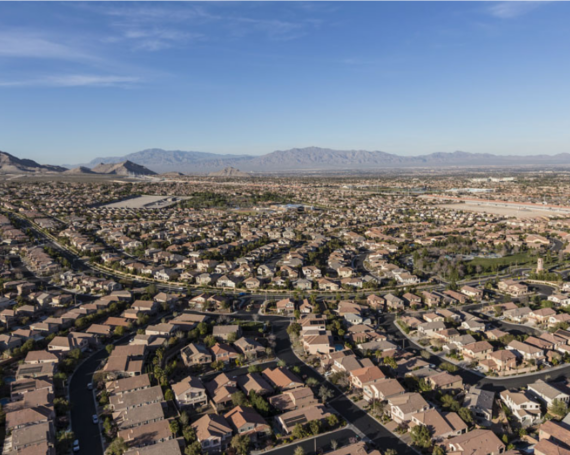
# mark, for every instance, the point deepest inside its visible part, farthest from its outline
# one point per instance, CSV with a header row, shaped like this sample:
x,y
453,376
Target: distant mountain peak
x,y
123,168
9,164
229,172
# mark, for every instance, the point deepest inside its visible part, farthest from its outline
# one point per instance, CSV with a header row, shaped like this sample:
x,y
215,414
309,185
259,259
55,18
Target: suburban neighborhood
x,y
326,317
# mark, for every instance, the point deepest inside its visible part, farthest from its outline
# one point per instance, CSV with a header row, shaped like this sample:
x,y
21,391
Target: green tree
x,y
239,399
61,405
104,398
210,341
421,436
558,407
169,395
108,426
294,329
424,386
449,402
332,420
259,403
189,434
325,393
241,442
174,427
466,415
117,447
254,369
119,331
438,450
311,382
194,449
218,365
449,367
203,328
109,348
390,362
315,427
298,431
299,451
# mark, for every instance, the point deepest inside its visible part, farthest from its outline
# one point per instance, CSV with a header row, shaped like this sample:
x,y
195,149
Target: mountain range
x,y
320,159
315,159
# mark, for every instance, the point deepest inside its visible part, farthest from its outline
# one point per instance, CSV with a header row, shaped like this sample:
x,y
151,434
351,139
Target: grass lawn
x,y
515,259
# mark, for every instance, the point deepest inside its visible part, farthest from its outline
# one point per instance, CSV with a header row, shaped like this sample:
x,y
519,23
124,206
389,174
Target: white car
x,y
90,386
95,419
76,445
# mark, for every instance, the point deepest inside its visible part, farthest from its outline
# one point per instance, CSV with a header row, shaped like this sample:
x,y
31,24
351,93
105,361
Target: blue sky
x,y
81,80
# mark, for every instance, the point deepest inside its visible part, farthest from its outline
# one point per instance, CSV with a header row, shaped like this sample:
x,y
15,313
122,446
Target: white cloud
x,y
512,9
75,80
17,43
159,27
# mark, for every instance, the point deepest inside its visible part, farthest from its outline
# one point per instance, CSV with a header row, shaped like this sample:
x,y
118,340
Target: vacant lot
x,y
501,210
146,202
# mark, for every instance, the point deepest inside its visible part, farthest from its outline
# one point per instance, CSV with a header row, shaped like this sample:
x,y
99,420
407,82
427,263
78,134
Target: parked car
x,y
95,419
90,386
76,445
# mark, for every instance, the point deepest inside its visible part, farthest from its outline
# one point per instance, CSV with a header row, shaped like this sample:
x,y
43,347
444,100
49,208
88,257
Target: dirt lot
x,y
146,202
505,211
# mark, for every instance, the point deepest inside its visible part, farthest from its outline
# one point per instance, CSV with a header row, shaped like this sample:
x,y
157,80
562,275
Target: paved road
x,y
83,406
515,329
312,446
557,244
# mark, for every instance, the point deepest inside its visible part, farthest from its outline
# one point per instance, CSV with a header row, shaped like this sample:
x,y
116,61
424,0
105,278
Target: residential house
x,y
288,420
475,442
213,432
190,392
382,390
227,332
246,420
522,406
547,393
440,425
478,350
290,400
196,354
285,306
526,351
254,382
513,288
480,403
281,378
403,406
